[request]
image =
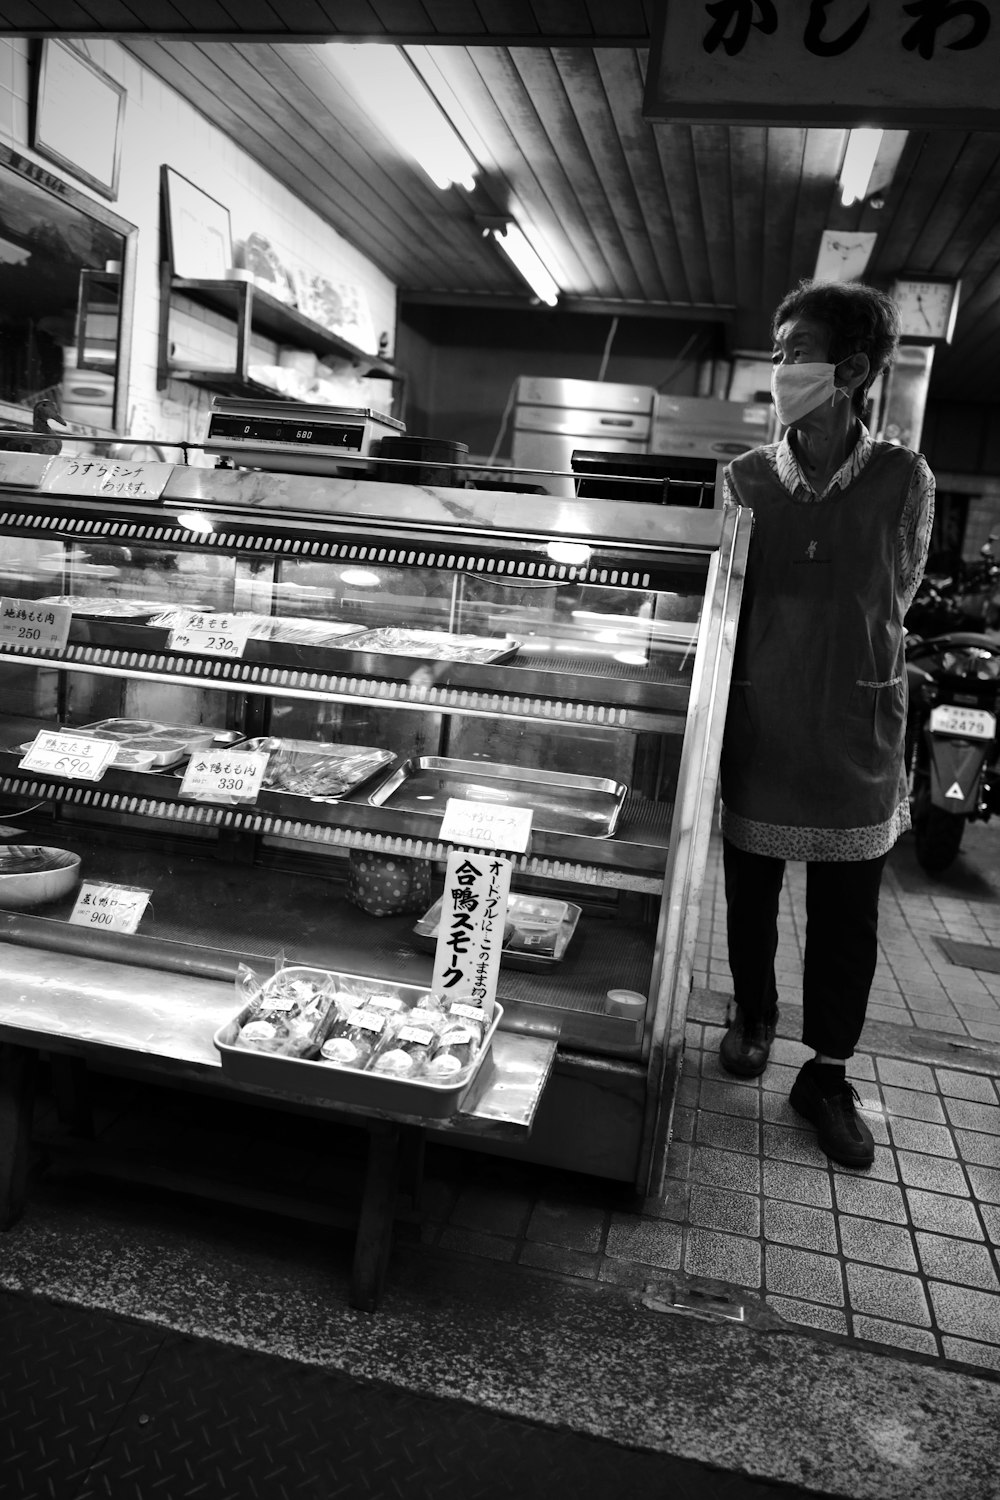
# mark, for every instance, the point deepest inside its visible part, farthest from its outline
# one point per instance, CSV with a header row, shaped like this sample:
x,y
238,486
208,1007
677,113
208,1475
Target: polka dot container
x,y
385,884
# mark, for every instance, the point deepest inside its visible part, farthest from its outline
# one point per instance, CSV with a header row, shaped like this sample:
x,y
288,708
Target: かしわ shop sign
x,y
826,62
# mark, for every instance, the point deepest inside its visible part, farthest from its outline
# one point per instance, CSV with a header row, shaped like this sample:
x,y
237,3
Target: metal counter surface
x,y
93,1008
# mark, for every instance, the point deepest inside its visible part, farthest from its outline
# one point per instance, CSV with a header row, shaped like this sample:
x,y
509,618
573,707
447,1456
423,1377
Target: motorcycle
x,y
952,747
967,598
977,589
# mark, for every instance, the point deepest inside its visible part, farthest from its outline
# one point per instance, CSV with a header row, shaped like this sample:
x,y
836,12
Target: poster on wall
x,y
199,234
78,116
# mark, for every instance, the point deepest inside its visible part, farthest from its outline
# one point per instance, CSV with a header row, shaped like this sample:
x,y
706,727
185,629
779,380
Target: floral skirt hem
x,y
815,843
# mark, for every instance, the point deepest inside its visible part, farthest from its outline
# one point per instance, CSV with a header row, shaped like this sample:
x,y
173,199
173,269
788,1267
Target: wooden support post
x,y
411,1163
17,1097
378,1210
72,1095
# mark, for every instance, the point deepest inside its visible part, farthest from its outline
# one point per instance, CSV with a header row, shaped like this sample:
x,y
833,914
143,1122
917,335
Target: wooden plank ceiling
x,y
698,220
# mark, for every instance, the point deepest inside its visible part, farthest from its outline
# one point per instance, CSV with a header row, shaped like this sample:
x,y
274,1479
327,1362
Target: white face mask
x,y
799,389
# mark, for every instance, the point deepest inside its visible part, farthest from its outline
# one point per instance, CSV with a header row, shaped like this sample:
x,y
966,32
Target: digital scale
x,y
295,438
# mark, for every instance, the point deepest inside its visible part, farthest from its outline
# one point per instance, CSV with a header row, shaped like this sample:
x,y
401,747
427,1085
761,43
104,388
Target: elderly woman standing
x,y
812,761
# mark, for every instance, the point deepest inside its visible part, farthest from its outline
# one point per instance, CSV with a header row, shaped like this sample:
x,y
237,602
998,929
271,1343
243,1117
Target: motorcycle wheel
x,y
938,836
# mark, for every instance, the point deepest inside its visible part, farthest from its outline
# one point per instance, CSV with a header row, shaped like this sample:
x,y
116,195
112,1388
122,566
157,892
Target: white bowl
x,y
33,887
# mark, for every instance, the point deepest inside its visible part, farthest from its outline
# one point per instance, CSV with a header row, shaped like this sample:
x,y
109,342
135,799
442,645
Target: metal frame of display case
x,y
623,1104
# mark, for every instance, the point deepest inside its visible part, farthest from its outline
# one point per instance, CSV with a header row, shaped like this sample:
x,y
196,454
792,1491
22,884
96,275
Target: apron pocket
x,y
742,723
876,718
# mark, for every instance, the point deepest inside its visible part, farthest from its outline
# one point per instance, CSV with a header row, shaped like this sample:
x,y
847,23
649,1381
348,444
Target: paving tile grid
x,y
905,1256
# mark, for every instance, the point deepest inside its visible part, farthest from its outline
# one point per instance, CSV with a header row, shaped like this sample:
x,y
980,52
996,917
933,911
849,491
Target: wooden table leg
x,y
378,1210
17,1099
71,1089
411,1163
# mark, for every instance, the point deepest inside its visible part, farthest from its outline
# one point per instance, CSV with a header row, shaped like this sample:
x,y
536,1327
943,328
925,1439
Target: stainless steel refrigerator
x,y
554,417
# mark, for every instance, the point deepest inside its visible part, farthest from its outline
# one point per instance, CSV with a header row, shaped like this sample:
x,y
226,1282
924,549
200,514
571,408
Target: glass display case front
x,y
387,648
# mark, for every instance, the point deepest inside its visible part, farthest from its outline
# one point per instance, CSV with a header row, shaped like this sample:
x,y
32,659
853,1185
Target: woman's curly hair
x,y
861,320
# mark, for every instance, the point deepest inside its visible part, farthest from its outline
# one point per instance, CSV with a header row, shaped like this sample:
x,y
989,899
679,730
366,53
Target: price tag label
x,y
28,626
115,908
59,752
224,775
484,825
212,635
111,479
24,470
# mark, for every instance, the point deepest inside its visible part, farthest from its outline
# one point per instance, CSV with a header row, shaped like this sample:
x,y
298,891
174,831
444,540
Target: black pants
x,y
841,942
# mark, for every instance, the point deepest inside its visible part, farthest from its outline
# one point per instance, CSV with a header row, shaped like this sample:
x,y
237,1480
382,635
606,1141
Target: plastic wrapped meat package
x,y
351,1039
289,1013
358,1024
537,932
318,770
290,629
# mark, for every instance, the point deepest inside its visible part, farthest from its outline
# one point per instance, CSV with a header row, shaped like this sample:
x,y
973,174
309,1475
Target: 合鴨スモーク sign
x,y
470,937
826,62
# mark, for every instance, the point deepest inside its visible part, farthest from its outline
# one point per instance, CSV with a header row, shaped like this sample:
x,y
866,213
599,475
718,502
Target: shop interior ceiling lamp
x,y
398,100
526,261
859,162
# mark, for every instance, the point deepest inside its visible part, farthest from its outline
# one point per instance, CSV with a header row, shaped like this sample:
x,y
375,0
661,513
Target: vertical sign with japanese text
x,y
470,937
826,62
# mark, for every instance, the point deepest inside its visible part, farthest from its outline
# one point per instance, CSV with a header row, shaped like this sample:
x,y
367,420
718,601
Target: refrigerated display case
x,y
390,647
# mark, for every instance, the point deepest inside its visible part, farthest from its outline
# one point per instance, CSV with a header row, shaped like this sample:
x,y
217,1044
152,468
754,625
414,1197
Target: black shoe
x,y
746,1046
843,1134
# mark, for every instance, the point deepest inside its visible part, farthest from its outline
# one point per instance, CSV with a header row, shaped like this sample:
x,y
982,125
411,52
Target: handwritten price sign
x,y
225,776
486,826
27,626
212,635
78,757
114,908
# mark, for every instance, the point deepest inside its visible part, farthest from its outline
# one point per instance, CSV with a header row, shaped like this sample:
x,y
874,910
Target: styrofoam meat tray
x,y
331,1083
165,745
544,925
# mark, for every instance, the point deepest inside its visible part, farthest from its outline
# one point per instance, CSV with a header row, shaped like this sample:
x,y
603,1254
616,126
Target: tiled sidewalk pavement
x,y
904,1256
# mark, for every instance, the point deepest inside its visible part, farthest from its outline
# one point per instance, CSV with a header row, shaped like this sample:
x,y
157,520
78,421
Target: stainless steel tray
x,y
589,806
539,930
303,1078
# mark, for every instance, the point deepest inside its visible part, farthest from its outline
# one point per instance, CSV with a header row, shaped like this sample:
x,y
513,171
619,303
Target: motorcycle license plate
x,y
970,723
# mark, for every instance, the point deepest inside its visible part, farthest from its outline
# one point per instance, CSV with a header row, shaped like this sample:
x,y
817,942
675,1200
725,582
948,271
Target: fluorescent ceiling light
x,y
859,160
526,261
575,553
196,520
361,578
396,97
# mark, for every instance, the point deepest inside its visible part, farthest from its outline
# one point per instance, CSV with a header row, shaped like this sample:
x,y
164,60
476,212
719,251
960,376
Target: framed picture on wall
x,y
78,115
199,234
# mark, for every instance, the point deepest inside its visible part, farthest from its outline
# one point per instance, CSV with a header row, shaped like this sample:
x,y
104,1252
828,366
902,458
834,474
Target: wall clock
x,y
927,308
